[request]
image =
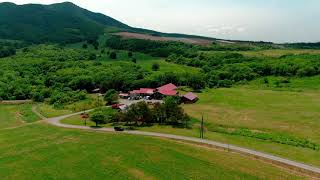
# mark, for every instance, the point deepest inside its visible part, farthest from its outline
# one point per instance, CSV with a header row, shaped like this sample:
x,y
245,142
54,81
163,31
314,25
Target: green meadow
x,y
16,115
41,151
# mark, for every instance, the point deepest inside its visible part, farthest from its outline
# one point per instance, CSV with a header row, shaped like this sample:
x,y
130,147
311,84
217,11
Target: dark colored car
x,y
118,129
116,106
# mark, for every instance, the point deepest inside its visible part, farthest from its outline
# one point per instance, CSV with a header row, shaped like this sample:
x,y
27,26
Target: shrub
x,y
113,55
155,67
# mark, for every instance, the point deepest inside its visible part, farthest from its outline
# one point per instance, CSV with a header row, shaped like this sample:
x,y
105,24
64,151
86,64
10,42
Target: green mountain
x,y
63,22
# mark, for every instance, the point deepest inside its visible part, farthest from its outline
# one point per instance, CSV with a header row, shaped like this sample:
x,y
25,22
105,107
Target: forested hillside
x,y
61,23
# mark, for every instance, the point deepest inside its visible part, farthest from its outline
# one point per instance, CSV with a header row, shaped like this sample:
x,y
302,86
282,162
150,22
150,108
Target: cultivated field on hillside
x,y
196,41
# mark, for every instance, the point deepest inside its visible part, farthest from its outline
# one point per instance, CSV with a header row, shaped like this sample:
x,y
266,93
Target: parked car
x,y
117,106
117,128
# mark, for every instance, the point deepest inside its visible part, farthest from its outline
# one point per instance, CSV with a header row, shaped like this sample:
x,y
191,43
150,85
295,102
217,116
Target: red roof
x,y
168,92
135,92
168,87
143,91
190,96
147,91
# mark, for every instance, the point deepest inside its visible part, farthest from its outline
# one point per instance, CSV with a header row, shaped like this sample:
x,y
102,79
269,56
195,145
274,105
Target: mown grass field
x,y
294,113
40,151
15,115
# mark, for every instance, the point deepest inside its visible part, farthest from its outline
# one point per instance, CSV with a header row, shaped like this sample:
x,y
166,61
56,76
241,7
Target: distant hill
x,y
68,23
63,22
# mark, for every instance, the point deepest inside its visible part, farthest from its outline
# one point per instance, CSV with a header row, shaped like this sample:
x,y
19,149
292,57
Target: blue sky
x,y
266,20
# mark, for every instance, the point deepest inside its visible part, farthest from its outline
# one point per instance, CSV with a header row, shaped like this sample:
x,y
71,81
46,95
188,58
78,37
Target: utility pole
x,y
201,129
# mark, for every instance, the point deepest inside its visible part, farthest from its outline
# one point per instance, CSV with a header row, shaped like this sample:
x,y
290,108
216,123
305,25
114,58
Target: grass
x,y
50,111
295,153
295,84
295,113
279,52
43,151
15,115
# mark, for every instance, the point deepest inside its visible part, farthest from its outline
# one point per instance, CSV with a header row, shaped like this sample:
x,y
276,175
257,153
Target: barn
x,y
189,98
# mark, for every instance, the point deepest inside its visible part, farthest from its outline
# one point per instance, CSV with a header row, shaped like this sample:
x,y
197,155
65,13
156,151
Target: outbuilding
x,y
189,98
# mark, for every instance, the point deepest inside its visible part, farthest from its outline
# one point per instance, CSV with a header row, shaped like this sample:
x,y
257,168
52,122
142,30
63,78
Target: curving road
x,y
304,168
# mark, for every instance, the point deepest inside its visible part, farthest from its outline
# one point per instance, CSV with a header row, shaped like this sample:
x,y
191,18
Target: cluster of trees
x,y
154,48
6,51
168,113
103,116
54,73
303,45
226,68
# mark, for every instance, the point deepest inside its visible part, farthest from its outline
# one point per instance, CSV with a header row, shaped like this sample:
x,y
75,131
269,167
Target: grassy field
x,y
295,113
51,111
146,62
41,151
15,115
295,153
295,84
279,52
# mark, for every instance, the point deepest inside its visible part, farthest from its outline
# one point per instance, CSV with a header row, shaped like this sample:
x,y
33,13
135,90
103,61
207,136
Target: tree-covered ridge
x,y
64,22
223,69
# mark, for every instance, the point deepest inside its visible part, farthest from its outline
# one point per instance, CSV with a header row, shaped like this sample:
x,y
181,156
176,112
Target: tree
x,y
85,46
98,118
139,112
111,96
134,60
92,56
95,45
130,54
113,55
155,67
38,97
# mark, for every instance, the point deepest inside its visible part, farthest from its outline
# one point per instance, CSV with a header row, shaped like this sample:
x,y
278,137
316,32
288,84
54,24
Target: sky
x,y
256,20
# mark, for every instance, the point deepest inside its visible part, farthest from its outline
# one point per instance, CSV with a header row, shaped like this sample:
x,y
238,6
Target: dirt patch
x,y
16,102
139,174
197,41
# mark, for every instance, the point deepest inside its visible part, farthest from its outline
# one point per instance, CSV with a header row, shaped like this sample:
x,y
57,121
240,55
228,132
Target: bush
x,y
113,55
155,67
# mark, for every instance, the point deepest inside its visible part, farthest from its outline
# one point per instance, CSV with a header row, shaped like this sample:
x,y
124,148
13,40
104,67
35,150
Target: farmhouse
x,y
168,90
189,98
142,92
158,94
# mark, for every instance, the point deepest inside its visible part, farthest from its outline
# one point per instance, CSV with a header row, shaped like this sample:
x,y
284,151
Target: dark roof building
x,y
189,98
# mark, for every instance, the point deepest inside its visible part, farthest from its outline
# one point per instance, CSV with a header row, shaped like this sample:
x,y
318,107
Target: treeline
x,y
303,45
8,48
225,69
154,48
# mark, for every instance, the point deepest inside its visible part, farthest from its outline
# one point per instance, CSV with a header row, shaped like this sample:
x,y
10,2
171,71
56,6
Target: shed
x,y
189,98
